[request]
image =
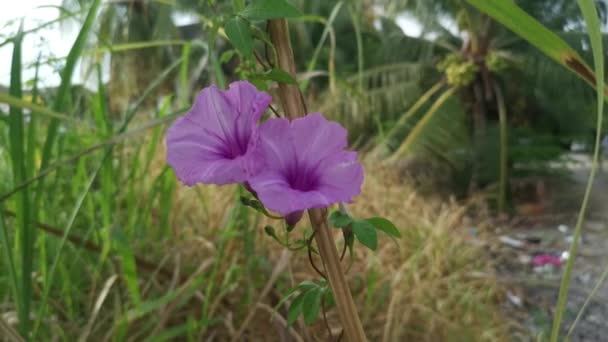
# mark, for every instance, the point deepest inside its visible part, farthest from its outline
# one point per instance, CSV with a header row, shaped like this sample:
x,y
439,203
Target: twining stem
x,y
293,105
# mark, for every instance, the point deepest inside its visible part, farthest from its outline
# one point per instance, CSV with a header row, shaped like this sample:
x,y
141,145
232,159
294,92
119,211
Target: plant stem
x,y
293,105
591,18
504,149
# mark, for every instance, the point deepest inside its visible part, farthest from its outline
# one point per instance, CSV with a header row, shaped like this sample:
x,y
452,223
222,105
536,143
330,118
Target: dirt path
x,y
533,292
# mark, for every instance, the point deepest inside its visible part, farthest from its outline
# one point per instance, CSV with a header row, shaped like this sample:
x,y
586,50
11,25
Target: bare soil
x,y
532,291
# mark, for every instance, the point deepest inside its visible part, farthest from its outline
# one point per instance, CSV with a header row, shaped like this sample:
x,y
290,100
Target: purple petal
x,y
317,137
213,141
199,158
302,171
250,104
342,178
277,195
275,144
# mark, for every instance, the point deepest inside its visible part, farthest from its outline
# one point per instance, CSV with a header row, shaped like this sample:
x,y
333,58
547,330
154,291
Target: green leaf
x,y
339,220
276,75
384,225
295,309
238,5
366,233
259,83
270,9
311,305
226,56
239,33
281,76
307,285
127,262
328,297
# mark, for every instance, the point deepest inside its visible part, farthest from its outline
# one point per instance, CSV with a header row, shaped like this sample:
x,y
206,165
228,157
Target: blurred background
x,y
475,144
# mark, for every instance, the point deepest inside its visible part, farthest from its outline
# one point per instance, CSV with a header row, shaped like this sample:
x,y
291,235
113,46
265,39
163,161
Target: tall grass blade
x,y
183,76
137,46
53,269
63,93
220,79
75,157
128,117
327,31
23,210
5,243
591,295
36,109
355,15
595,37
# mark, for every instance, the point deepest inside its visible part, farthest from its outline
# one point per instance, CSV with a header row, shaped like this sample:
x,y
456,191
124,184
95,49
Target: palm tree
x,y
489,70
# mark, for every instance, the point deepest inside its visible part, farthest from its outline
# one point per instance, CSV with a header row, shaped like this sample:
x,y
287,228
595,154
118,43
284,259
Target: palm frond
x,y
387,91
441,132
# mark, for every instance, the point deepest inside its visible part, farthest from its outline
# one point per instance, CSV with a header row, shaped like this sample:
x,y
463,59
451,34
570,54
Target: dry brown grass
x,y
424,287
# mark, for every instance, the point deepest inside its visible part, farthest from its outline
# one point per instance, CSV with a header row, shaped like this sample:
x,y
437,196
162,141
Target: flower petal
x,y
276,194
249,104
317,137
275,145
199,158
341,177
302,171
212,142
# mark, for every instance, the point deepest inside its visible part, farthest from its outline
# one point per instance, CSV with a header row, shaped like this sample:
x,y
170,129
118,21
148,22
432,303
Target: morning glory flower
x,y
212,143
305,165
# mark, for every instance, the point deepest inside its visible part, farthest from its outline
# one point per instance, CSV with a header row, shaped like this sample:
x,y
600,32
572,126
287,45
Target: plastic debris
x,y
509,241
524,259
515,299
565,256
546,259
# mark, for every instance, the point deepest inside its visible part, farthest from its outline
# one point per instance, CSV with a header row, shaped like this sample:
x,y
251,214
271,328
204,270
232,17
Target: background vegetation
x,y
100,242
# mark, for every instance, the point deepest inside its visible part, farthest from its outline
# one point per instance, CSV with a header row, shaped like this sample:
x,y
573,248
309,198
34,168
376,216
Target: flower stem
x,y
293,105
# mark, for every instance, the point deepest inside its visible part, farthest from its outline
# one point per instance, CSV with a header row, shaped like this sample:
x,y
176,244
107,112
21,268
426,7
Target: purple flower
x,y
212,143
305,165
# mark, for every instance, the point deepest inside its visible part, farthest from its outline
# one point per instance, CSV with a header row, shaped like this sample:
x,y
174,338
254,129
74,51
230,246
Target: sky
x,y
56,40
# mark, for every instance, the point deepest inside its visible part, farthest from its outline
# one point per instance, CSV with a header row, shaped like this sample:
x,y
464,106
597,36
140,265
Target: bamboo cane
x,y
293,105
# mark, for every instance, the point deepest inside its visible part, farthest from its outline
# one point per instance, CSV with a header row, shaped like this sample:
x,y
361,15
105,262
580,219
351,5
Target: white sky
x,y
55,41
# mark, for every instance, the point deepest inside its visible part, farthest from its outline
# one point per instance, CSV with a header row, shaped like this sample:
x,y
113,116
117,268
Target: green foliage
x,y
276,75
339,219
237,30
363,230
270,9
514,18
311,297
384,225
366,234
